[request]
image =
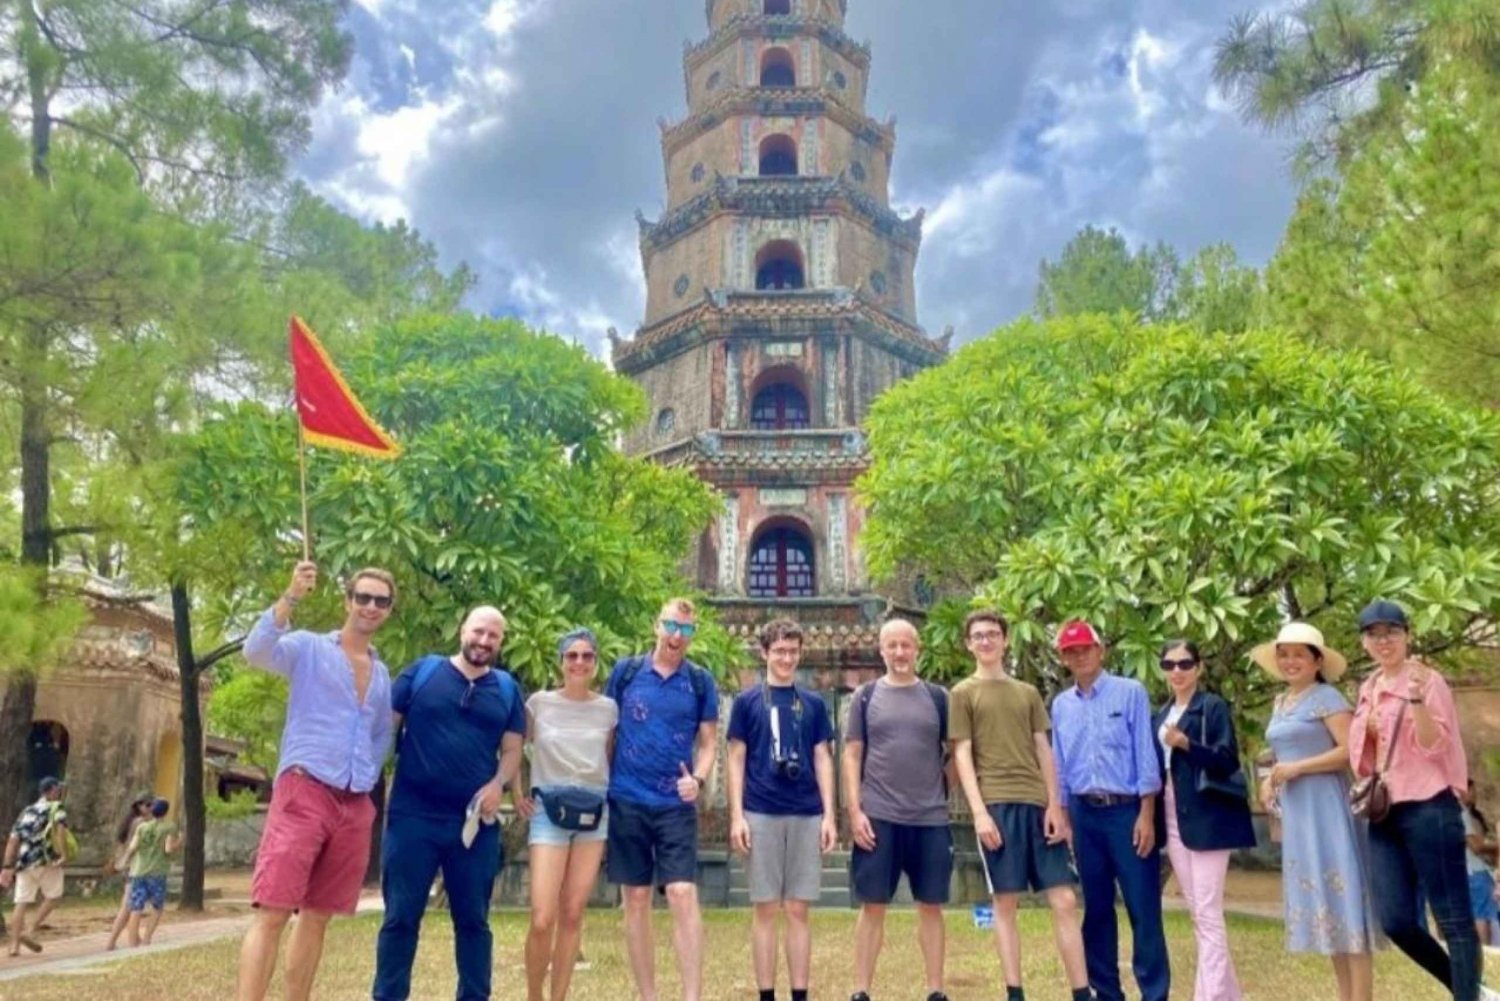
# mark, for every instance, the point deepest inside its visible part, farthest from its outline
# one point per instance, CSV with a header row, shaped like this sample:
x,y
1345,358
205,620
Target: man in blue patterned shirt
x,y
1109,780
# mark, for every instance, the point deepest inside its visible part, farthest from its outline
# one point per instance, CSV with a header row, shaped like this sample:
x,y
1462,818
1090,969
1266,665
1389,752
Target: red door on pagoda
x,y
781,564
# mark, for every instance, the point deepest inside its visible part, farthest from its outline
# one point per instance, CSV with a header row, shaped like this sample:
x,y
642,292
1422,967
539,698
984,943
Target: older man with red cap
x,y
1109,780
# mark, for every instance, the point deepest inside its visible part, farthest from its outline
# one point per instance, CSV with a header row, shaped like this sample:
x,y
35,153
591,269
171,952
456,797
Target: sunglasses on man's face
x,y
363,598
675,628
1186,664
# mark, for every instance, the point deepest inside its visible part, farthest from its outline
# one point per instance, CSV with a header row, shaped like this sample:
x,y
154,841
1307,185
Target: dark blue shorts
x,y
146,890
651,847
1025,861
925,854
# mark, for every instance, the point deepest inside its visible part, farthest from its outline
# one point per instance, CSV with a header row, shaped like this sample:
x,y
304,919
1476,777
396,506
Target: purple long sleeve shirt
x,y
328,733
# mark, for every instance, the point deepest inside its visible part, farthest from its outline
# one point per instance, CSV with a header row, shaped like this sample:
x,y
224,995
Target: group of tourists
x,y
1086,794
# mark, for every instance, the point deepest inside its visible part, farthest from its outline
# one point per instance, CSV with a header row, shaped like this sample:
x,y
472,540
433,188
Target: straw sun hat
x,y
1334,664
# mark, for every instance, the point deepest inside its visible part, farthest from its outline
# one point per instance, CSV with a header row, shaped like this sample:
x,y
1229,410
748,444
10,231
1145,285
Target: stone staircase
x,y
835,884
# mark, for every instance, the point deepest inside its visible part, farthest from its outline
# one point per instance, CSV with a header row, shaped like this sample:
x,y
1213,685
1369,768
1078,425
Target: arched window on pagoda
x,y
779,407
778,7
781,563
778,267
778,156
777,69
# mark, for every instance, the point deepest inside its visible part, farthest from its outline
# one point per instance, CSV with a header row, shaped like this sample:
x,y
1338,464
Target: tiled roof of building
x,y
813,304
778,196
774,24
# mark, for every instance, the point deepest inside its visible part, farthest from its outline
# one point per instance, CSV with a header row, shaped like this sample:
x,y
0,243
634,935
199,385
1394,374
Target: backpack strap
x,y
862,696
421,675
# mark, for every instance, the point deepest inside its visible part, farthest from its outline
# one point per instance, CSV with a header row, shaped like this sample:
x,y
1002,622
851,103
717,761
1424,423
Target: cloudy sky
x,y
520,136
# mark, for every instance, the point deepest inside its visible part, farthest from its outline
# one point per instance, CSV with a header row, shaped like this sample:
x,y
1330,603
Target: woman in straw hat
x,y
1323,851
1406,728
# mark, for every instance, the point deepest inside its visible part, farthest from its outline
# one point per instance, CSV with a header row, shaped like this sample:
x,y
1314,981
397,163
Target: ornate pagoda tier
x,y
780,303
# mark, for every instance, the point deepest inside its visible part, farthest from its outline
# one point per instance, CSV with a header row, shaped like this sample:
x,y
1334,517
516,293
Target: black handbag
x,y
572,809
1233,784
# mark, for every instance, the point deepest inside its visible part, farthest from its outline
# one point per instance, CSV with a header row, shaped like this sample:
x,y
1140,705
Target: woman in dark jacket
x,y
1204,818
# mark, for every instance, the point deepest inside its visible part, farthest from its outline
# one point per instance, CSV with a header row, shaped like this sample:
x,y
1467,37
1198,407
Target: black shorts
x,y
925,854
1025,861
651,847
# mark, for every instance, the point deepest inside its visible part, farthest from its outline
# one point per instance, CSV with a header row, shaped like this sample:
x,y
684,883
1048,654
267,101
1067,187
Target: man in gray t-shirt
x,y
896,791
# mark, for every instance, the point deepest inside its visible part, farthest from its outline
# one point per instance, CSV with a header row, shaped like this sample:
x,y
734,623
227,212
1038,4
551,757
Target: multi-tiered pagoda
x,y
780,303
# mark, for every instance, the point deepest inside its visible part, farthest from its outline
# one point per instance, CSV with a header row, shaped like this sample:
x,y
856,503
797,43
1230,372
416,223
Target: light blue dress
x,y
1324,853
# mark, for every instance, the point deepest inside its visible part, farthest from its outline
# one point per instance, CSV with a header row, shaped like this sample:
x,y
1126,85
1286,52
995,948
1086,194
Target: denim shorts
x,y
545,832
1482,896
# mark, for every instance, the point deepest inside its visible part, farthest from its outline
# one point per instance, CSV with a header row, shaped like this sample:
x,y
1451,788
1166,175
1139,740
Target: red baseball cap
x,y
1077,633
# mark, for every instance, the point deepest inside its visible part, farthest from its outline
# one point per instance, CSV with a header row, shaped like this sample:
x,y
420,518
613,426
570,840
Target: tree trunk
x,y
36,488
194,812
36,550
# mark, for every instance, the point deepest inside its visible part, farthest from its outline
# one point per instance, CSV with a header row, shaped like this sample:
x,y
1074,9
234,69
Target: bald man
x,y
460,722
896,792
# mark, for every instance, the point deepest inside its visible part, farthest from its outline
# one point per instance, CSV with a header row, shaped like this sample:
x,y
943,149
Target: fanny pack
x,y
572,809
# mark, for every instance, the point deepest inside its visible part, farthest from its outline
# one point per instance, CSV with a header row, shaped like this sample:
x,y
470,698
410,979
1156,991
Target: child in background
x,y
149,853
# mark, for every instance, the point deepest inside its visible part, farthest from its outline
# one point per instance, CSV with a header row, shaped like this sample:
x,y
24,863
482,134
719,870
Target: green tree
x,y
1163,481
1335,71
1098,273
1401,255
203,100
1216,293
509,491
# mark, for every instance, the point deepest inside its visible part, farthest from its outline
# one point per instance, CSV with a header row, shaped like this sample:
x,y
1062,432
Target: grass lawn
x,y
206,973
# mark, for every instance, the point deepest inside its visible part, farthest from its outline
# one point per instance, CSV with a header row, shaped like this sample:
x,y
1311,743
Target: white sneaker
x,y
1487,994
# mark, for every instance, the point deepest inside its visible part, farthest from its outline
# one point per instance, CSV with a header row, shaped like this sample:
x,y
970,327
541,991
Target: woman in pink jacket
x,y
1406,728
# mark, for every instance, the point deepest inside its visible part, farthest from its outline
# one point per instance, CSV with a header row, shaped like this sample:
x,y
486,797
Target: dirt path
x,y
70,955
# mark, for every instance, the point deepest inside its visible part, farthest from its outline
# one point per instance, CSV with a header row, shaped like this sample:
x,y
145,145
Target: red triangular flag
x,y
330,414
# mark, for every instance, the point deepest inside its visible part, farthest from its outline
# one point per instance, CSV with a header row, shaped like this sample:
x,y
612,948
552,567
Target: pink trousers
x,y
1201,876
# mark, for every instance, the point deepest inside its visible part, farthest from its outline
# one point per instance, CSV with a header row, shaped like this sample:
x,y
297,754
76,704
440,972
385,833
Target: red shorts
x,y
315,847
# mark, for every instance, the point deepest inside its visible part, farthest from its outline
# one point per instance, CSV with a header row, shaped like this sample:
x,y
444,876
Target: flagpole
x,y
302,469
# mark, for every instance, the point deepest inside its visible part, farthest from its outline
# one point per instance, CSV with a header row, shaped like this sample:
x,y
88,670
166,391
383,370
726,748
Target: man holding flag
x,y
316,843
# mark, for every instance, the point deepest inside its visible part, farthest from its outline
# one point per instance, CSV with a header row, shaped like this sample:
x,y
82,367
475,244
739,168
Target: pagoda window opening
x,y
778,156
777,69
778,267
775,7
779,407
781,564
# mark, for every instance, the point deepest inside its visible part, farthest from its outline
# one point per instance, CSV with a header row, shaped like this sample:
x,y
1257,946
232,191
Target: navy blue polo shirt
x,y
451,743
767,790
657,732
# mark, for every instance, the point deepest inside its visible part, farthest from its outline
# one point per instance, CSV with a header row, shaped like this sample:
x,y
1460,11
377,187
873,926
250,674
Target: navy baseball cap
x,y
1383,613
49,783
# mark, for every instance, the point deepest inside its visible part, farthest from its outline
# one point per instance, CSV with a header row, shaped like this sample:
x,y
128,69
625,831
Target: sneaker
x,y
859,996
1487,994
937,996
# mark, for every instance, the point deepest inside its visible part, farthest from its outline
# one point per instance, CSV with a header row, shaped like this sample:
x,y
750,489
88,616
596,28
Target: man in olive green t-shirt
x,y
1004,760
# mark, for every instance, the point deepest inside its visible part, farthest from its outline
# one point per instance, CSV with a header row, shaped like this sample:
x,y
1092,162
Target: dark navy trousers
x,y
1105,856
414,849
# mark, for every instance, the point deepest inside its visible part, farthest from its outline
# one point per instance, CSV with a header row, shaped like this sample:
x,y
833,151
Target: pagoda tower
x,y
780,302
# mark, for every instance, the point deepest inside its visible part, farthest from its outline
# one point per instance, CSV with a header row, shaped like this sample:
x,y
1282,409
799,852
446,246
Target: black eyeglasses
x,y
1187,664
363,598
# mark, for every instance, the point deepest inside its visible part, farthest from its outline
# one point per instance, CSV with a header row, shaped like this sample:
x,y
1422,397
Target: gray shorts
x,y
786,862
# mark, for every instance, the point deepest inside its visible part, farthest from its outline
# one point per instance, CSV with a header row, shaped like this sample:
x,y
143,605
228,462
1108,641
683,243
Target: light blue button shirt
x,y
328,733
1103,741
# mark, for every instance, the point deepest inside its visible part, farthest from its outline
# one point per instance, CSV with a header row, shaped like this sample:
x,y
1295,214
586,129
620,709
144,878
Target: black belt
x,y
1107,798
